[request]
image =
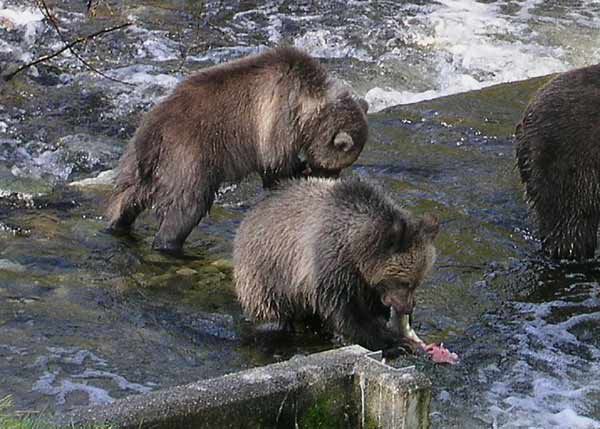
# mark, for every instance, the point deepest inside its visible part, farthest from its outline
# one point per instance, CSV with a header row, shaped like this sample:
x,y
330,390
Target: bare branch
x,y
69,46
44,9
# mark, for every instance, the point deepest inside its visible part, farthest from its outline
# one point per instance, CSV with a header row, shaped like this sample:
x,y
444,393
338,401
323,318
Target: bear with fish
x,y
337,249
340,250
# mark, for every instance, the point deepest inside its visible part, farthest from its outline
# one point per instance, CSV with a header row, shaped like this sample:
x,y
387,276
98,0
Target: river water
x,y
86,318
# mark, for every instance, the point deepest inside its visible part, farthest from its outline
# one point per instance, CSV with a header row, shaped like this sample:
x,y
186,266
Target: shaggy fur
x,y
259,114
558,155
336,249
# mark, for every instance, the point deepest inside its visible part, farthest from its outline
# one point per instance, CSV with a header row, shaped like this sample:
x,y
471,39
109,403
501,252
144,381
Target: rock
x,y
105,178
186,272
88,153
7,265
223,265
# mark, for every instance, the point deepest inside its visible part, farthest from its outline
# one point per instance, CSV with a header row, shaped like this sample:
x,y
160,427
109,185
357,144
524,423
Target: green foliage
x,y
9,421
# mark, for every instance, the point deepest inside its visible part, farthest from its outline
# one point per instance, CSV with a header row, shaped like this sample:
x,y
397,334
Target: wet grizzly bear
x,y
335,249
558,155
277,114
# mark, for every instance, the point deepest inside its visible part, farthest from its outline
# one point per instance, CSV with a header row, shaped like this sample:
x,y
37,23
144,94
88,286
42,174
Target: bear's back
x,y
305,213
276,66
562,121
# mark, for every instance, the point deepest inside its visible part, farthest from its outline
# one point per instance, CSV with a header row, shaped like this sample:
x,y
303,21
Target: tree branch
x,y
68,46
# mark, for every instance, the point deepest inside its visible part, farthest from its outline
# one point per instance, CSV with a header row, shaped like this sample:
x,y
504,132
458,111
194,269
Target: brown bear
x,y
338,250
558,155
277,113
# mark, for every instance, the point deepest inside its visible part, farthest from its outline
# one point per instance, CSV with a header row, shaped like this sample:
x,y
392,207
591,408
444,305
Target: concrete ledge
x,y
345,388
391,397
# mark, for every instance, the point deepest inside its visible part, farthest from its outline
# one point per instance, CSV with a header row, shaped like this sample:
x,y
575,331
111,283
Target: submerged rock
x,y
105,178
8,265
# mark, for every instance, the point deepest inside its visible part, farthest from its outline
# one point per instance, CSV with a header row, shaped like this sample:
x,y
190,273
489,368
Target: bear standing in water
x,y
336,249
277,114
558,155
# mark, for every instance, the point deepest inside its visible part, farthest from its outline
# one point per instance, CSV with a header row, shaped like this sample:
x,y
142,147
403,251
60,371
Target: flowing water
x,y
86,317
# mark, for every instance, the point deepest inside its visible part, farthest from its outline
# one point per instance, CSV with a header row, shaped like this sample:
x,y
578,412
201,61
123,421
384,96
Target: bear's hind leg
x,y
123,211
573,237
566,203
130,195
178,219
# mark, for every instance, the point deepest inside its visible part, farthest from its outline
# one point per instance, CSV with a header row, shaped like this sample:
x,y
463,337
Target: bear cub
x,y
336,249
277,114
558,155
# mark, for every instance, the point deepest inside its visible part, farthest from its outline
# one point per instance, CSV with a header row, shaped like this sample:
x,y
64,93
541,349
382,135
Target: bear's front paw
x,y
401,348
168,247
118,230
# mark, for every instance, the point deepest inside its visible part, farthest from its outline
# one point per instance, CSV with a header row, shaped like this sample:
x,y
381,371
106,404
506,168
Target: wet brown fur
x,y
336,249
558,156
256,114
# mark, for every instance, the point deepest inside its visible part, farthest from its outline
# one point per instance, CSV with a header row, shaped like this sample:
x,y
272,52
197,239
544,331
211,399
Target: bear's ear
x,y
343,141
363,105
429,226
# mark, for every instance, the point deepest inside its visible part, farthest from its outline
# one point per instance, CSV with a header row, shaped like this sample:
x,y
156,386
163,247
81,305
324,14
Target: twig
x,y
90,6
44,9
187,47
69,46
461,266
184,53
64,48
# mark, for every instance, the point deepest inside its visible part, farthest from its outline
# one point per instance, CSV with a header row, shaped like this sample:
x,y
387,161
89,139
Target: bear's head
x,y
402,258
335,135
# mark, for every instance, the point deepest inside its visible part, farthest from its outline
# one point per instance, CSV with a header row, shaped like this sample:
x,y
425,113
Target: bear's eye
x,y
396,246
389,244
405,285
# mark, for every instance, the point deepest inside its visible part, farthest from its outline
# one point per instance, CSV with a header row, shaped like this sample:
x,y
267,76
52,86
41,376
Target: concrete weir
x,y
344,388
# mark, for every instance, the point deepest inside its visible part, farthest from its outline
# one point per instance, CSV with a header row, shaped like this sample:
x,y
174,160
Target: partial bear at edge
x,y
558,156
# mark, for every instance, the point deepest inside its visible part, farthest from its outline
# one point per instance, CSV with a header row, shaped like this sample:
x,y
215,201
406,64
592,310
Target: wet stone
x,y
186,272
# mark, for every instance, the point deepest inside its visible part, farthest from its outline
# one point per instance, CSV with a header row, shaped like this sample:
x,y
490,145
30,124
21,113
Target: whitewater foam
x,y
474,45
553,381
325,44
59,381
26,19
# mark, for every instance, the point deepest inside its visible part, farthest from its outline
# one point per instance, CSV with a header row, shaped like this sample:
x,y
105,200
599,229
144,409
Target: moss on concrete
x,y
327,411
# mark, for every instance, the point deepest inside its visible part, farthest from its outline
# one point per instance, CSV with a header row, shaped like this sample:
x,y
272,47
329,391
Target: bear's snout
x,y
402,300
